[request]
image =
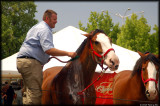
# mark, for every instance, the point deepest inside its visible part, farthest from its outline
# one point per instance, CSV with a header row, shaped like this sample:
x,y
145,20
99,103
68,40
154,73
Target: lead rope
x,y
72,59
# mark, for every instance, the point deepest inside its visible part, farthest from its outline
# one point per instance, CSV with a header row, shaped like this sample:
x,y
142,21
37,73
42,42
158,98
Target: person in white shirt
x,y
35,52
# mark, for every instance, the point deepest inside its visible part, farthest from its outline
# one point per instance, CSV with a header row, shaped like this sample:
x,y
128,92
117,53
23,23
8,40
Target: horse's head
x,y
101,46
150,74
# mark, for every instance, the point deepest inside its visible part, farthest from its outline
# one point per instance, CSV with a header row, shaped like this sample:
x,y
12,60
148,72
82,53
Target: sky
x,y
70,12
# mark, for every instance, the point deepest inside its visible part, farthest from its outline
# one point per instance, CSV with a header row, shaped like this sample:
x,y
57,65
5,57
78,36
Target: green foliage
x,y
17,19
153,42
101,21
135,35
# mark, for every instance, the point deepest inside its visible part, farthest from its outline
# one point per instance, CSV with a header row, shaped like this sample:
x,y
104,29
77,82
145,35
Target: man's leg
x,y
31,71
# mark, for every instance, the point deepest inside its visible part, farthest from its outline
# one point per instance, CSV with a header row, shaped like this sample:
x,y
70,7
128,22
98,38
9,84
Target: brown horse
x,y
62,85
140,85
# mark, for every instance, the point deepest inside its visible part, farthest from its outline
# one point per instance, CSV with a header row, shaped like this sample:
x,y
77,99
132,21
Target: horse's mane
x,y
81,47
138,65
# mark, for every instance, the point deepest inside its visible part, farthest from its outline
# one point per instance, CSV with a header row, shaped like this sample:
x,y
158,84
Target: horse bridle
x,y
101,56
147,80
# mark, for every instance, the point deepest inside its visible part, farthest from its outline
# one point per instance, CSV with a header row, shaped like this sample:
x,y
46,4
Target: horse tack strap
x,y
108,51
100,56
82,96
145,81
150,79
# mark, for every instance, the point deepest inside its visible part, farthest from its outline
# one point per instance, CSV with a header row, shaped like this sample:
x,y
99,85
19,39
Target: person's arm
x,y
57,52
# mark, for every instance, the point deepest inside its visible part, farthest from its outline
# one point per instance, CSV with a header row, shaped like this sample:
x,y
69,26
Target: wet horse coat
x,y
63,86
128,86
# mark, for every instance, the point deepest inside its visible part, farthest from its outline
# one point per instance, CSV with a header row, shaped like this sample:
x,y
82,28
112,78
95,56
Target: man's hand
x,y
72,54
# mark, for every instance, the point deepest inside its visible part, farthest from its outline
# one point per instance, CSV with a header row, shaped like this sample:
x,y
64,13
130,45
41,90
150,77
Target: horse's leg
x,y
90,95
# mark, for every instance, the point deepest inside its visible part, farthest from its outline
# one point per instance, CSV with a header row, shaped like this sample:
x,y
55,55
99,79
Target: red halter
x,y
101,56
145,81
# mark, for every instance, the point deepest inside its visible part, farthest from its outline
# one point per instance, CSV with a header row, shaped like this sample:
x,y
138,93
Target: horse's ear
x,y
87,35
141,54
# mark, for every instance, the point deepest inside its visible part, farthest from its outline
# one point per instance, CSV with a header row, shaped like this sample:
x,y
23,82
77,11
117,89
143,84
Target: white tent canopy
x,y
9,68
69,39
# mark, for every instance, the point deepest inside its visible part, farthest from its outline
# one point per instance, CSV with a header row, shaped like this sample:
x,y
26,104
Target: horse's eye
x,y
96,42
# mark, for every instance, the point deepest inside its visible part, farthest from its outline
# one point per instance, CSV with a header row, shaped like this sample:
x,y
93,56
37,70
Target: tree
x,y
17,19
153,41
135,35
103,22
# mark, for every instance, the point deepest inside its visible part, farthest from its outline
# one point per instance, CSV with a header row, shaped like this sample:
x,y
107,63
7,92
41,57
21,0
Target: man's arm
x,y
57,52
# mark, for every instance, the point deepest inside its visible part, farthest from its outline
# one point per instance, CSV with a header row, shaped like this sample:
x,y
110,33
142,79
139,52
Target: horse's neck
x,y
88,65
138,83
79,73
